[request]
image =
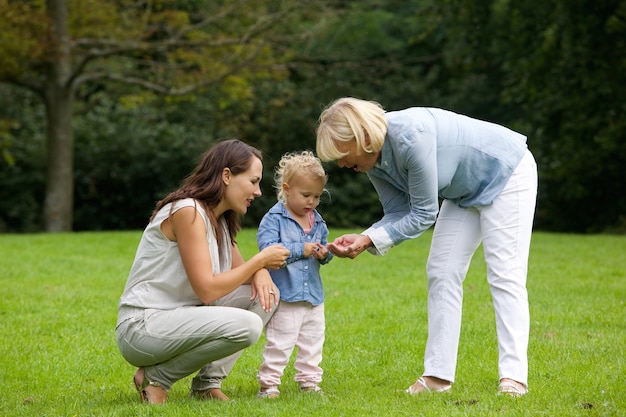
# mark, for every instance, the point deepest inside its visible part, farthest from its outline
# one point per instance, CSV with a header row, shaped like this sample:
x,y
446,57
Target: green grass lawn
x,y
58,355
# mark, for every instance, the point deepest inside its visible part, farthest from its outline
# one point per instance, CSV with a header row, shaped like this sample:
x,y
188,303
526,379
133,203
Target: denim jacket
x,y
300,280
430,154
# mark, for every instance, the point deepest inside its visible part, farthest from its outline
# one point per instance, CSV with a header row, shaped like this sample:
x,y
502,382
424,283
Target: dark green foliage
x,y
565,73
128,159
554,71
22,175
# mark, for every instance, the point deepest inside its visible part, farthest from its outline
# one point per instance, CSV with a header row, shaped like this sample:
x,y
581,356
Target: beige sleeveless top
x,y
157,278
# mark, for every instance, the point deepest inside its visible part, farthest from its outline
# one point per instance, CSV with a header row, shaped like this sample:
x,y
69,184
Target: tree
x,y
58,47
554,71
558,73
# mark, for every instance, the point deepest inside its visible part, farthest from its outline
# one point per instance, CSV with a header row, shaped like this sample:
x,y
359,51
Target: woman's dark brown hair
x,y
205,183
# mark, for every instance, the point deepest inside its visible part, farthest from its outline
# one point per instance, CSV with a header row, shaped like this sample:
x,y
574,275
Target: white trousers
x,y
505,229
298,325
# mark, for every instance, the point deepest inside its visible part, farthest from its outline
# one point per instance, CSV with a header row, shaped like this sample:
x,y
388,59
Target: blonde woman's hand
x,y
349,246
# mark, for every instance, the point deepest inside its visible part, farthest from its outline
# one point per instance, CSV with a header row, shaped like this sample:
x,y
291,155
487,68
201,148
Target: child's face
x,y
303,194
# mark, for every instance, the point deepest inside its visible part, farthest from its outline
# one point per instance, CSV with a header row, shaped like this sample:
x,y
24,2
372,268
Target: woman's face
x,y
355,160
243,188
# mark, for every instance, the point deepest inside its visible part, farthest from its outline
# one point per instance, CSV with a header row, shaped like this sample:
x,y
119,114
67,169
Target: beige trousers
x,y
172,344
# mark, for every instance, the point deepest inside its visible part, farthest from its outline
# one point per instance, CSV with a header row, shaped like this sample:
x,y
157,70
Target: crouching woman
x,y
191,303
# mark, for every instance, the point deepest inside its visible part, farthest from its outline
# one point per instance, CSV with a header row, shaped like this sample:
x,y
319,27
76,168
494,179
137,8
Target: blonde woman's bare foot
x,y
512,388
150,392
429,384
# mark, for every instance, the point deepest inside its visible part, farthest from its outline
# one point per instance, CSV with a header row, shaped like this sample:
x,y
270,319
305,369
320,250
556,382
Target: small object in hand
x,y
272,292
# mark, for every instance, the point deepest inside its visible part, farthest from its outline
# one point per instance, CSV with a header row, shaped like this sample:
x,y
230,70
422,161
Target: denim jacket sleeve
x,y
324,241
278,227
269,233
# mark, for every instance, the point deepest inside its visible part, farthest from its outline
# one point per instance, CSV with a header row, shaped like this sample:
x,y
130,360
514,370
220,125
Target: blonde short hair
x,y
297,164
349,119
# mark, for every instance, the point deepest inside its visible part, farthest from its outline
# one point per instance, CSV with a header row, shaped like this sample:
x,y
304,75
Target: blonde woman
x,y
487,181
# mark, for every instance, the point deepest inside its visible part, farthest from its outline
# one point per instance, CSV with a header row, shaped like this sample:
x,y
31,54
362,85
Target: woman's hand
x,y
349,246
263,287
275,256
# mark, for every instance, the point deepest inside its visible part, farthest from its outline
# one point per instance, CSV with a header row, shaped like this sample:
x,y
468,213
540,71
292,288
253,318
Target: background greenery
x,y
58,355
554,71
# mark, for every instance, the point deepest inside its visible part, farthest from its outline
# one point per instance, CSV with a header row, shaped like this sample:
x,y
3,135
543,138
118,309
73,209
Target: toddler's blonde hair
x,y
296,164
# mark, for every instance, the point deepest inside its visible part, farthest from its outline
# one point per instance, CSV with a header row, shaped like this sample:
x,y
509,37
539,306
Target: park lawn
x,y
58,355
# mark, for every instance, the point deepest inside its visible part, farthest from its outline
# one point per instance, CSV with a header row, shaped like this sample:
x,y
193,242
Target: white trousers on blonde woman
x,y
300,325
505,229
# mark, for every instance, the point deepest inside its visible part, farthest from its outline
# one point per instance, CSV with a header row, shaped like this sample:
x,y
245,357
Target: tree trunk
x,y
59,201
58,96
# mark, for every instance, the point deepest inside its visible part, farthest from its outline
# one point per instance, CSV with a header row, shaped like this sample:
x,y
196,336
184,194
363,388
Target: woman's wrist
x,y
257,261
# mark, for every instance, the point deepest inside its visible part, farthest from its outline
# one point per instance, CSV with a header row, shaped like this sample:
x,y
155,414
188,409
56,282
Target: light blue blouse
x,y
300,280
432,153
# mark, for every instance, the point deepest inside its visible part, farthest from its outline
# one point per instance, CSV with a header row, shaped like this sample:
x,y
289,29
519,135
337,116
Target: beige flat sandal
x,y
512,389
422,382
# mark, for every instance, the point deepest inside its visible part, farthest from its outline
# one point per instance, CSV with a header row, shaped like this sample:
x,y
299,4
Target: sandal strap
x,y
511,388
442,388
422,382
147,382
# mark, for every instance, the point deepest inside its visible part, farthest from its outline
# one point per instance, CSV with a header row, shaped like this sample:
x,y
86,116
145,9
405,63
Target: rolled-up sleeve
x,y
269,232
409,195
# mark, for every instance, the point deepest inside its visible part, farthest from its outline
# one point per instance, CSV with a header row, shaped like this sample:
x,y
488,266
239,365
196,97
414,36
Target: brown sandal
x,y
209,394
145,383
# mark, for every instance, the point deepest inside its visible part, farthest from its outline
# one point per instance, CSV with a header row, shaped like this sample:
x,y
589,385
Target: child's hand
x,y
309,249
316,250
321,252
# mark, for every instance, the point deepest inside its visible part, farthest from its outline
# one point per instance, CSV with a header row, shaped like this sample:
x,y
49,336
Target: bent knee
x,y
252,329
